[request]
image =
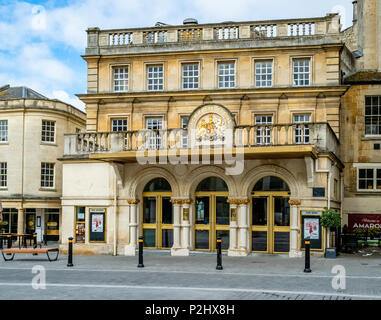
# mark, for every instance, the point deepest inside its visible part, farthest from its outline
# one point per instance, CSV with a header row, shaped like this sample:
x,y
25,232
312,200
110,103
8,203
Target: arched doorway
x,y
157,224
211,217
270,216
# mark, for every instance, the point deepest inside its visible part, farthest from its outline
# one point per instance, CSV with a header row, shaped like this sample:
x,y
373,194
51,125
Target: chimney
x,y
355,11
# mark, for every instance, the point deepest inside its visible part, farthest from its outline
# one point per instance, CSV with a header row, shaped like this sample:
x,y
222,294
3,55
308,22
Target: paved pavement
x,y
256,277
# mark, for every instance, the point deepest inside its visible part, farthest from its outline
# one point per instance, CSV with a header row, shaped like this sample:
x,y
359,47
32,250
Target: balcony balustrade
x,y
227,31
319,135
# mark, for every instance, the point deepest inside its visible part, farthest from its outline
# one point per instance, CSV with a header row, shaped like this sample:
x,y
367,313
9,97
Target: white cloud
x,y
41,45
64,96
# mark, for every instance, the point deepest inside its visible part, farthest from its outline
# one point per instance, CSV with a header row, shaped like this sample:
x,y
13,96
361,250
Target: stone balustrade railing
x,y
320,135
330,24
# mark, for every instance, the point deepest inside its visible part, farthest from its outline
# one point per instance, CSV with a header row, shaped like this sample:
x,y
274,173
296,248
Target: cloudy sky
x,y
41,42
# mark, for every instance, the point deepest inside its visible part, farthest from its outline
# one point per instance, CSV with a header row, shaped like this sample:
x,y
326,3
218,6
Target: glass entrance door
x,y
157,220
270,222
211,220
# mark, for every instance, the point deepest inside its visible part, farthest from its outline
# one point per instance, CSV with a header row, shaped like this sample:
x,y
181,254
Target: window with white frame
x,y
3,174
373,115
118,125
120,79
302,131
47,175
226,75
184,125
263,73
190,76
155,78
48,131
369,179
264,130
301,72
154,141
3,130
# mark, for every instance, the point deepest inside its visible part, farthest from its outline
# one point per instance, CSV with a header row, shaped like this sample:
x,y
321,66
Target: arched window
x,y
271,183
158,185
212,184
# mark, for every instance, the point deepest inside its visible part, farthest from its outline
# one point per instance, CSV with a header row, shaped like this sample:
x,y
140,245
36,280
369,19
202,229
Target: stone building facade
x,y
32,131
195,132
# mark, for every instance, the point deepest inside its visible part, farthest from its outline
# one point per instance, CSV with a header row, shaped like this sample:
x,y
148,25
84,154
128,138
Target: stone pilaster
x,y
130,249
294,249
184,224
20,221
238,227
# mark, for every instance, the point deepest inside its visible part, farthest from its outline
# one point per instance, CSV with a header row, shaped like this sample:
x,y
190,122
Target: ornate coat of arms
x,y
211,128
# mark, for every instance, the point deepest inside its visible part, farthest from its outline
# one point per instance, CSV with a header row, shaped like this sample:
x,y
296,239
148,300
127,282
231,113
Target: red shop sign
x,y
364,221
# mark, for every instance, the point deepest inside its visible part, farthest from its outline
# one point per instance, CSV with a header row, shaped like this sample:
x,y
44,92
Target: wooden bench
x,y
34,251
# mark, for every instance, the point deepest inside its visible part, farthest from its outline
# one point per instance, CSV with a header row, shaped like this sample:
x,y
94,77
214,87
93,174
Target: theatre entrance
x,y
211,217
270,216
157,226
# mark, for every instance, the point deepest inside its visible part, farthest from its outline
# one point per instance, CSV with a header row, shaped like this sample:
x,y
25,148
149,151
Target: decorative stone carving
x,y
238,202
186,214
133,201
294,202
233,214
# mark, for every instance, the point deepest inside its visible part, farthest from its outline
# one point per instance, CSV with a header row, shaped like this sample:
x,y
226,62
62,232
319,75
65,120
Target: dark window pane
x,y
202,210
271,184
166,238
224,235
212,184
259,241
149,210
281,241
259,211
202,239
281,212
167,211
158,185
222,211
149,238
362,173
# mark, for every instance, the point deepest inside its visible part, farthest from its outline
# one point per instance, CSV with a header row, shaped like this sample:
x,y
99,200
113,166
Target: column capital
x,y
181,201
176,201
238,201
294,202
133,201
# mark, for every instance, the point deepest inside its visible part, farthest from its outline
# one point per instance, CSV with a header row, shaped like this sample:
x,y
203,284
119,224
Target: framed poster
x,y
311,227
97,225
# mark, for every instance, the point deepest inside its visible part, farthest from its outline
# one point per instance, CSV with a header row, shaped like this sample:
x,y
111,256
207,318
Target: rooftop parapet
x,y
164,37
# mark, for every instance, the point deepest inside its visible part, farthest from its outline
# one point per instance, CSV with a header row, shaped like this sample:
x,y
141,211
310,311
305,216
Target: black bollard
x,y
35,242
70,253
9,241
219,255
307,243
140,265
1,242
9,236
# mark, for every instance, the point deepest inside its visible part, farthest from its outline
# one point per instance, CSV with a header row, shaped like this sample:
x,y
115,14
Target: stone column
x,y
294,250
20,221
233,228
243,227
185,229
176,226
130,249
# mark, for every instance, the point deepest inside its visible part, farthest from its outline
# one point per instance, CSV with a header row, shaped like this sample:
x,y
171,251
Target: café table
x,y
22,239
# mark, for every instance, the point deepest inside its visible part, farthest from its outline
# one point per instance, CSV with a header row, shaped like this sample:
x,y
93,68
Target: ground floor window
x,y
80,228
52,224
10,218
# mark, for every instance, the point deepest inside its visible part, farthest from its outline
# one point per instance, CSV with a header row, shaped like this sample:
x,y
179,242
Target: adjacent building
x,y
361,120
32,131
